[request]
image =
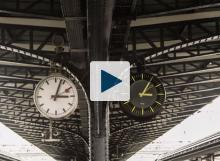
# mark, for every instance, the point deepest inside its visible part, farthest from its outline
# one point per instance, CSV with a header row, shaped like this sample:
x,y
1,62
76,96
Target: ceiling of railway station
x,y
176,40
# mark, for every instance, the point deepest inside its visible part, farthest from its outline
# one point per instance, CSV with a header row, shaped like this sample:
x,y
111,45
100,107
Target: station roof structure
x,y
176,40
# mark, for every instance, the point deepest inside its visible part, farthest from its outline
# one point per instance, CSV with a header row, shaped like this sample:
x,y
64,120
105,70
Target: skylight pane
x,y
202,123
14,145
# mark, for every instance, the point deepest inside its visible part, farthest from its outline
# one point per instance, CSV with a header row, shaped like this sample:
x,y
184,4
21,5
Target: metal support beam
x,y
16,89
193,83
23,65
190,100
194,92
99,27
195,72
175,11
32,22
7,158
188,59
210,157
174,18
46,47
22,79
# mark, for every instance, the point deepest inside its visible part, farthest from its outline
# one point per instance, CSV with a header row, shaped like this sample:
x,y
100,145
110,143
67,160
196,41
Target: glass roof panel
x,y
15,146
201,124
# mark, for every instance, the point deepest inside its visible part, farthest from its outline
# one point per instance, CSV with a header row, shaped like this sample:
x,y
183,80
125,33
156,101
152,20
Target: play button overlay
x,y
109,81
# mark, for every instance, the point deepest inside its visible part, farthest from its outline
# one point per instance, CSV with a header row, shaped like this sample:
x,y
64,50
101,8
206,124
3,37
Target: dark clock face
x,y
147,96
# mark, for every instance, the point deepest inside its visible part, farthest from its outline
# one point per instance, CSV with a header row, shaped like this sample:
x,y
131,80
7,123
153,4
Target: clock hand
x,y
145,94
58,88
60,96
146,87
66,90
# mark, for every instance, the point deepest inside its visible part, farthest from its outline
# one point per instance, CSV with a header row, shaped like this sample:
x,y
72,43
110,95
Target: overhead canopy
x,y
140,28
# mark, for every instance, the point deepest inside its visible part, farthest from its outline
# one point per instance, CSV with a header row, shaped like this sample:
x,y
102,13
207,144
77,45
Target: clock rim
x,y
44,114
144,118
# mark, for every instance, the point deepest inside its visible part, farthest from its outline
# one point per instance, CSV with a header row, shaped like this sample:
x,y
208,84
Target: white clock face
x,y
56,97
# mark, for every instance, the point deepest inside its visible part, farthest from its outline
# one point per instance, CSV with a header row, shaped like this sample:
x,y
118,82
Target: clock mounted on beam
x,y
56,97
147,95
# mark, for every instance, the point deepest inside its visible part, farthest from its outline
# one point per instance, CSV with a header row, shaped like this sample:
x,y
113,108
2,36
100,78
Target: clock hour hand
x,y
60,96
145,94
58,88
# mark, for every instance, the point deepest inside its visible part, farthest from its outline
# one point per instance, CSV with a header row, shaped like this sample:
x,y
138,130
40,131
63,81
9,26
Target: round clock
x,y
146,98
56,97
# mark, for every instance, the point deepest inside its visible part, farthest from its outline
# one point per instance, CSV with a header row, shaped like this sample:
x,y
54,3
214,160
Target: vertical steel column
x,y
99,22
196,159
210,157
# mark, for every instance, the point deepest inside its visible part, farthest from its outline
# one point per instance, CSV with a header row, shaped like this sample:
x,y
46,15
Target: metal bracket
x,y
51,134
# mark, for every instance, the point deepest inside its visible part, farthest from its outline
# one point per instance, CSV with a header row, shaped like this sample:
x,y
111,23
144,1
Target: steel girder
x,y
47,9
162,7
5,157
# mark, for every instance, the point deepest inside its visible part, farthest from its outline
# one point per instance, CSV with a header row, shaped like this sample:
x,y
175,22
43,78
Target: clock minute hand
x,y
58,88
146,87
